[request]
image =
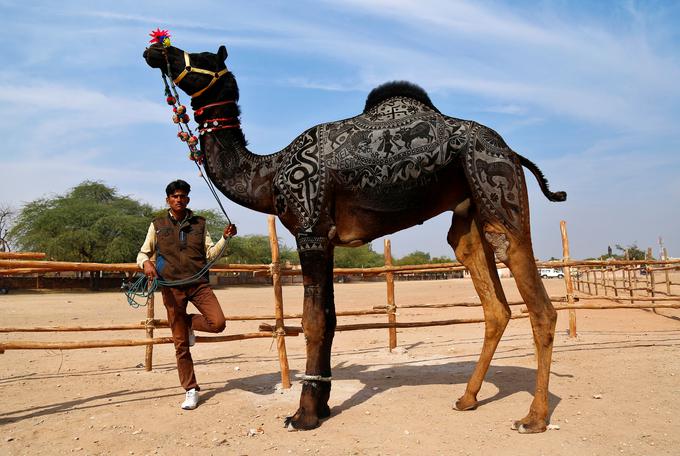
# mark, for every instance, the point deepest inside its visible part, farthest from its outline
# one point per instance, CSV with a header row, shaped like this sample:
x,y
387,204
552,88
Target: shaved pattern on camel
x,y
496,179
398,143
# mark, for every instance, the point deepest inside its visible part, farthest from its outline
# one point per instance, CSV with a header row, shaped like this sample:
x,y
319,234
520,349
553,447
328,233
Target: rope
x,y
144,287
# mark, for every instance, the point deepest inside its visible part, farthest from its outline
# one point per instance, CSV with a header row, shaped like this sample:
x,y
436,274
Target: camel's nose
x,y
146,52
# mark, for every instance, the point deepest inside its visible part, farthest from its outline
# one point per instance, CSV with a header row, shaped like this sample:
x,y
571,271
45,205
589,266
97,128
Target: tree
x,y
357,257
254,249
91,222
416,257
634,253
6,217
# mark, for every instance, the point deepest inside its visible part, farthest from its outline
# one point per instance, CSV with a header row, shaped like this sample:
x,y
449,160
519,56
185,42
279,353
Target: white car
x,y
549,273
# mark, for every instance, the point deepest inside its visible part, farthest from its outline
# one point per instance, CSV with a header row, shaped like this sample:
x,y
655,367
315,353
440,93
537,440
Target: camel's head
x,y
195,74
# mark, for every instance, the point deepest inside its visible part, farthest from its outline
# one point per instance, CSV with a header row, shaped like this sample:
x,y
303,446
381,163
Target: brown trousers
x,y
211,320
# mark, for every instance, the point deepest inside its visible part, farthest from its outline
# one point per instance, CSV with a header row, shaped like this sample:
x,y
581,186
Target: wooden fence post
x,y
149,325
279,331
630,278
668,281
648,268
391,306
567,279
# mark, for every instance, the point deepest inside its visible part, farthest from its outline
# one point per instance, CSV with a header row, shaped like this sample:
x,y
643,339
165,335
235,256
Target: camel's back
x,y
399,142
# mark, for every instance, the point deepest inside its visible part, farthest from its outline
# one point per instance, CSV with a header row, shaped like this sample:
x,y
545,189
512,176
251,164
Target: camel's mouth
x,y
154,56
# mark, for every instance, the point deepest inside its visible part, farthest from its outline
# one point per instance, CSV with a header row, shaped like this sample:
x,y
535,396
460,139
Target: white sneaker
x,y
191,400
192,338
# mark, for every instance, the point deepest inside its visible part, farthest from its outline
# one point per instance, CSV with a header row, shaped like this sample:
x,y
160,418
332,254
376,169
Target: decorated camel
x,y
345,183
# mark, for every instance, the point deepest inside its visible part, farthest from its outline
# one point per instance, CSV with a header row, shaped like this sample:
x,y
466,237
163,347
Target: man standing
x,y
180,246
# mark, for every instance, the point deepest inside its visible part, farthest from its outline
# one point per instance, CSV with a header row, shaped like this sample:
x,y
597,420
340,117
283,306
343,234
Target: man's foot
x,y
191,400
192,338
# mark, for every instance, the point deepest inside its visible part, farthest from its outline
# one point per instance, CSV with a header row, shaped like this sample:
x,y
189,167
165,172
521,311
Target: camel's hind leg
x,y
475,253
517,253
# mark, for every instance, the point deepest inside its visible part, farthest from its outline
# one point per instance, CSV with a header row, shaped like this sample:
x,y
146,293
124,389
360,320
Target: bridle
x,y
209,125
189,69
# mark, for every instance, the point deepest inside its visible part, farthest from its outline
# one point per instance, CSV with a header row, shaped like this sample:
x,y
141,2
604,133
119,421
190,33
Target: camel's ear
x,y
222,53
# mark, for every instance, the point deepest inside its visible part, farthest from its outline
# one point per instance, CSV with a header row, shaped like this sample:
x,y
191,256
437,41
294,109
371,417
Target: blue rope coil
x,y
144,287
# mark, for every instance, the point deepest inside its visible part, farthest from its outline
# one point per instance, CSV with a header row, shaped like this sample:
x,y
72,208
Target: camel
x,y
345,183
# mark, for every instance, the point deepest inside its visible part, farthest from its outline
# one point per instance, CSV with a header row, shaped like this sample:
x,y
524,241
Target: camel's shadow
x,y
374,378
452,375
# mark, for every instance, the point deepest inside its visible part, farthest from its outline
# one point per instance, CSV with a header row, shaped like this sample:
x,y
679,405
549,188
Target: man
x,y
180,246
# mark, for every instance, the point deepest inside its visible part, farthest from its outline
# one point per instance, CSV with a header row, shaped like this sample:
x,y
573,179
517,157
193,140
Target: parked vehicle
x,y
550,273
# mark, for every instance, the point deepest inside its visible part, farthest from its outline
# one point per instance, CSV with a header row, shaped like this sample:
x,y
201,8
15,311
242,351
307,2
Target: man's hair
x,y
178,184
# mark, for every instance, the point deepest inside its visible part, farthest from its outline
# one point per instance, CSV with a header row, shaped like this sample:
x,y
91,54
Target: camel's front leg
x,y
318,322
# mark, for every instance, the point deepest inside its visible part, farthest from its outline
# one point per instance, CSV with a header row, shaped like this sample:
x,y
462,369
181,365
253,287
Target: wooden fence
x,y
619,281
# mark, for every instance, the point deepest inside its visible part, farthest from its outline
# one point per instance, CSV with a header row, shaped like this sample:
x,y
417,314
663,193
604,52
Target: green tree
x,y
357,257
416,257
634,253
6,217
254,249
91,222
442,259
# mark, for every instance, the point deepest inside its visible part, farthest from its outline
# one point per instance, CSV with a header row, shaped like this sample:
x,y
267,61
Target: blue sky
x,y
587,90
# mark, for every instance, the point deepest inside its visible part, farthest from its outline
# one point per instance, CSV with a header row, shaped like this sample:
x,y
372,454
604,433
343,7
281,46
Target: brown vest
x,y
180,247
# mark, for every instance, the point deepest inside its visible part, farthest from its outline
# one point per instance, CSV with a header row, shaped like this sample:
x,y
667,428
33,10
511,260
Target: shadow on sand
x,y
450,372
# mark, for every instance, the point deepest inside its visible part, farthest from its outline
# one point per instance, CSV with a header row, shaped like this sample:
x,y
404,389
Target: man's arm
x,y
211,251
147,253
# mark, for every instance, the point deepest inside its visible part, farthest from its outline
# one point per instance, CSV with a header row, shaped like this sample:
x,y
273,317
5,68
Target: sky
x,y
589,91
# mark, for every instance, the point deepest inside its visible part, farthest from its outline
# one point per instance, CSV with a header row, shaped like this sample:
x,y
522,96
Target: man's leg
x,y
211,318
175,300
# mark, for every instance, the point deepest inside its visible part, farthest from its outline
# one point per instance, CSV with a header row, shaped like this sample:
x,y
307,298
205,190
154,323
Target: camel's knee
x,y
543,324
495,324
316,320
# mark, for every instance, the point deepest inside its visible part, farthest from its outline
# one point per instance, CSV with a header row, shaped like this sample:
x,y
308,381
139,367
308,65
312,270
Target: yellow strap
x,y
216,76
189,69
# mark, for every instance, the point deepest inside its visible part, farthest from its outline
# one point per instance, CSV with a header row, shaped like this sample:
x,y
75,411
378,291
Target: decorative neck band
x,y
218,124
199,111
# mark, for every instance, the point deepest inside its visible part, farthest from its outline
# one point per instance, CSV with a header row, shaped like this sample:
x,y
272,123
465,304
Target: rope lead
x,y
143,287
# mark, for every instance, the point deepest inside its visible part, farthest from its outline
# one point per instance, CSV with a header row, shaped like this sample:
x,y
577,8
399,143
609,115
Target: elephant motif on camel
x,y
345,183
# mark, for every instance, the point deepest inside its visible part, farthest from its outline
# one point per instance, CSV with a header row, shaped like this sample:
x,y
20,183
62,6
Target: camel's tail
x,y
542,181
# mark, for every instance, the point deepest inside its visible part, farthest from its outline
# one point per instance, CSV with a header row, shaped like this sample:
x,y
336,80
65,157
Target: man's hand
x,y
150,269
229,231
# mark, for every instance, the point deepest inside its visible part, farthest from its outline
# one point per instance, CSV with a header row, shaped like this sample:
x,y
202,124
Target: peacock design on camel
x,y
345,183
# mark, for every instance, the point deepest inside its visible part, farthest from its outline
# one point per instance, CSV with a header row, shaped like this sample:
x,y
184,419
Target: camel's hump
x,y
397,89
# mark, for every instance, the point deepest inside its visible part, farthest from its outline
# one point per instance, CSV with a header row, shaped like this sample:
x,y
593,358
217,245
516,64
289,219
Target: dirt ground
x,y
614,390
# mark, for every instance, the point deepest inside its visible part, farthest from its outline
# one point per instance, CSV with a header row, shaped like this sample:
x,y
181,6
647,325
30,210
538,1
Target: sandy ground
x,y
614,390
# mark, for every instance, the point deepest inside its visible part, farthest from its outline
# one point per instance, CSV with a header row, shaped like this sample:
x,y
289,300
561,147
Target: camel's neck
x,y
244,177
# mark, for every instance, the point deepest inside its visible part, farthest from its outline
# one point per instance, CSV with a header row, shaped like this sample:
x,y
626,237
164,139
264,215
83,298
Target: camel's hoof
x,y
291,423
463,406
528,428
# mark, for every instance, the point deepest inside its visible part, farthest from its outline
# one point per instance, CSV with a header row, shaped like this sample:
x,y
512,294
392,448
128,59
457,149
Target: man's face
x,y
178,200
